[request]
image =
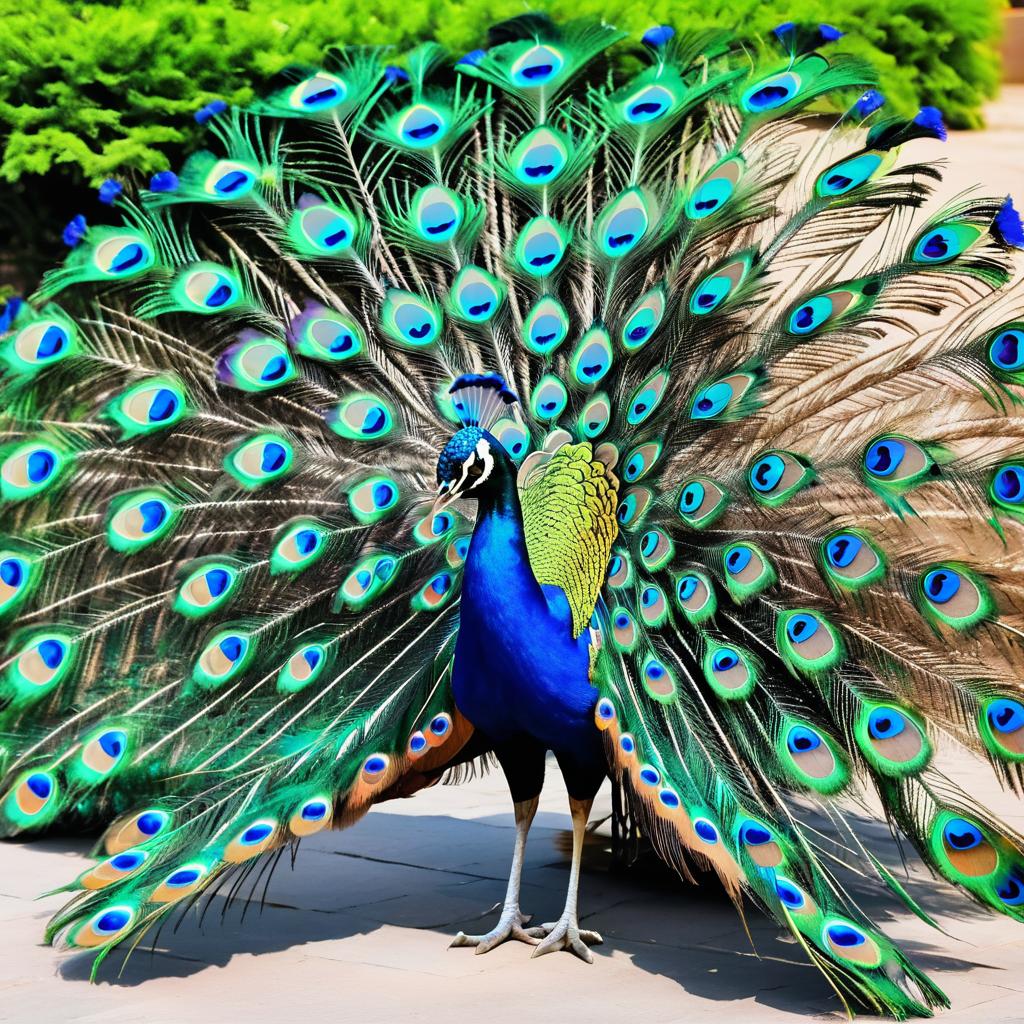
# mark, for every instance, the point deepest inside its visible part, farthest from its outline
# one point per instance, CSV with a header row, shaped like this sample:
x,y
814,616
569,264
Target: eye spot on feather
x,y
33,800
125,254
254,839
714,289
846,941
321,91
136,829
953,596
181,882
842,178
208,288
546,326
813,758
322,229
623,223
1001,725
313,815
104,927
1006,351
30,468
945,242
892,740
669,799
1009,889
537,67
647,397
17,579
114,869
539,157
851,560
1007,487
729,672
771,93
701,502
38,666
711,401
760,844
715,189
437,214
706,831
226,654
648,104
604,713
696,596
102,753
808,642
361,417
659,682
777,476
964,851
421,126
643,319
790,895
540,246
40,344
549,398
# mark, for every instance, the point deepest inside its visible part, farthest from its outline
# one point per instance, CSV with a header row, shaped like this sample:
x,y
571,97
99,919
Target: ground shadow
x,y
447,873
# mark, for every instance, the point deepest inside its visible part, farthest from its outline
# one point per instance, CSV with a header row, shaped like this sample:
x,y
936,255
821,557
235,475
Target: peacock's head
x,y
473,462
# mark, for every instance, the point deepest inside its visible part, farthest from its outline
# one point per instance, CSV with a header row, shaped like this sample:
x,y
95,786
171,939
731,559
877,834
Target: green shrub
x,y
90,89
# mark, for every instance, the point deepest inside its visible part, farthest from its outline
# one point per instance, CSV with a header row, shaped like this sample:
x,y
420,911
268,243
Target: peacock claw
x,y
565,934
509,926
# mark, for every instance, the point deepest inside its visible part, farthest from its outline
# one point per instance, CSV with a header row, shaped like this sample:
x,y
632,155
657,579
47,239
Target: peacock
x,y
621,400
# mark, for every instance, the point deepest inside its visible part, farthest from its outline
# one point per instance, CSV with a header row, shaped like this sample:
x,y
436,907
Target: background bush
x,y
88,90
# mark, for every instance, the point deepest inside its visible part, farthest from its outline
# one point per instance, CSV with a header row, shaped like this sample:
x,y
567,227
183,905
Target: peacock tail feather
x,y
706,271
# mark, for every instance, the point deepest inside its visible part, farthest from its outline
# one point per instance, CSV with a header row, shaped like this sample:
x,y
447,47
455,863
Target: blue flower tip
x,y
9,310
210,111
396,74
871,101
109,191
473,57
1008,225
830,33
931,118
658,35
783,30
74,230
164,181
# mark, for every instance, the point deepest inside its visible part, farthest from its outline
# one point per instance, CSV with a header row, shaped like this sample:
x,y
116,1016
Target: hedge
x,y
92,89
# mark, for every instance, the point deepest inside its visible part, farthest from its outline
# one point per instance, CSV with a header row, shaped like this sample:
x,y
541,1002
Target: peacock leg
x,y
510,924
565,933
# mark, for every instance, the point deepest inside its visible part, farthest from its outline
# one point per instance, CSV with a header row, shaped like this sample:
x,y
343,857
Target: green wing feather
x,y
569,521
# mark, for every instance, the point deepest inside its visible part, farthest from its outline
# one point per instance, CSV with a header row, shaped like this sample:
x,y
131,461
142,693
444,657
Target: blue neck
x,y
498,562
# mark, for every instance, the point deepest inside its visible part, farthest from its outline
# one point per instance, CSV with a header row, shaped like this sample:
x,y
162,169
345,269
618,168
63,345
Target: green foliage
x,y
88,90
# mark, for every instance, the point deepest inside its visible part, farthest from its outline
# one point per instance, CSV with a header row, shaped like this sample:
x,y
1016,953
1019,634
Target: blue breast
x,y
518,668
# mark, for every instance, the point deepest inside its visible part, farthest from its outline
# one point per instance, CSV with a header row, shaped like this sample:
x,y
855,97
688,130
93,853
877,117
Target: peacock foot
x,y
509,926
566,934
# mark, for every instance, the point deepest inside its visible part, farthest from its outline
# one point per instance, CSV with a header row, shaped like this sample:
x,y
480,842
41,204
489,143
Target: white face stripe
x,y
483,451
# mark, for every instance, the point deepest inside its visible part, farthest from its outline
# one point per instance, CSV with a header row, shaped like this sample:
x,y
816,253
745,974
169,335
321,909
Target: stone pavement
x,y
360,931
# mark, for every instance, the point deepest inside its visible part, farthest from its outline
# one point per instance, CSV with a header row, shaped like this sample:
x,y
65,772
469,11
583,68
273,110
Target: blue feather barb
x,y
1008,225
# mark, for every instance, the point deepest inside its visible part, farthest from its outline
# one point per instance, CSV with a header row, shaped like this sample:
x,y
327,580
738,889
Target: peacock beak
x,y
444,497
